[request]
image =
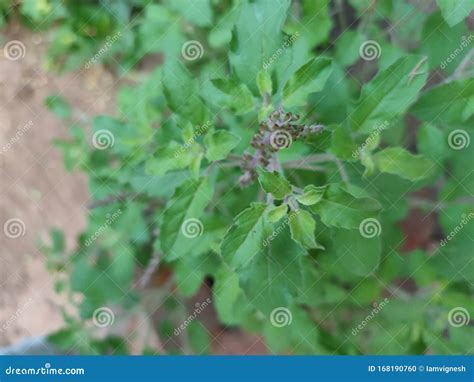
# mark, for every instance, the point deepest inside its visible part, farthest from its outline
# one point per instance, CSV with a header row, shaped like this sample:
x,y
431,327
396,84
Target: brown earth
x,y
34,187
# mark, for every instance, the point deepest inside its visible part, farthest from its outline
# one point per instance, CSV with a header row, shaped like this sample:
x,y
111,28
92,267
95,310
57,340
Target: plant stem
x,y
342,170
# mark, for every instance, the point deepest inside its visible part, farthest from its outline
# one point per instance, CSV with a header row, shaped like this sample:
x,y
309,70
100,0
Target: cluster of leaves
x,y
293,237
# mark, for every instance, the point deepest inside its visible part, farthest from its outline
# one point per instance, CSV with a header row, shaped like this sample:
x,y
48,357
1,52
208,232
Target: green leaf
x,y
367,161
245,238
238,98
432,143
398,161
276,213
198,337
181,226
315,23
442,44
455,11
310,78
264,83
340,209
219,144
343,144
118,135
352,254
229,300
265,280
302,226
171,157
300,336
188,280
182,93
159,31
121,269
58,105
274,183
257,36
448,103
347,47
197,12
390,93
311,195
221,33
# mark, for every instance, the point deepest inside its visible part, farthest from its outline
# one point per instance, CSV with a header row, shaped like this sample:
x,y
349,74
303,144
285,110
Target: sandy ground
x,y
39,194
34,187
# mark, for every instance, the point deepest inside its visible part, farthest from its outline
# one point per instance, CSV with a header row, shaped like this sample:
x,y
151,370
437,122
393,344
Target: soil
x,y
34,187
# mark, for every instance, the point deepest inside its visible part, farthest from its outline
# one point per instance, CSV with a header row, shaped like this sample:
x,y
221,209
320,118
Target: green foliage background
x,y
388,122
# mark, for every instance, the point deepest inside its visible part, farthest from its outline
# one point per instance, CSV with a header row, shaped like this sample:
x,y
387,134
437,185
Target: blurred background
x,y
55,45
35,187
